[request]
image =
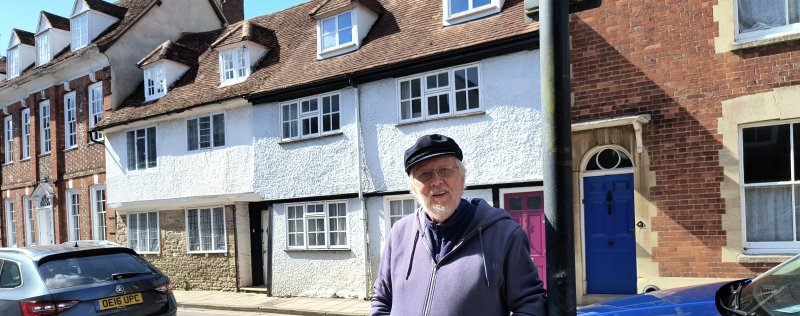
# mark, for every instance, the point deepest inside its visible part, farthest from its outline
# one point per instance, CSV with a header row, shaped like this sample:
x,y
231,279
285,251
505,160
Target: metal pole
x,y
556,104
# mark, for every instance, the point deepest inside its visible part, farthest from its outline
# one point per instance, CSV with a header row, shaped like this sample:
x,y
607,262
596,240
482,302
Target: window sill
x,y
337,50
232,82
45,154
71,148
206,253
320,136
744,258
155,254
764,42
442,118
7,163
315,249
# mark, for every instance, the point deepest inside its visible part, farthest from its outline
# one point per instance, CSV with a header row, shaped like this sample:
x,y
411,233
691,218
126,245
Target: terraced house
x,y
270,151
57,84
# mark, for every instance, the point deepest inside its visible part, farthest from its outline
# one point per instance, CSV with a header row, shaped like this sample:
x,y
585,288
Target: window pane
x,y
191,133
151,147
204,125
457,6
219,228
416,108
140,149
515,204
345,36
794,11
472,77
765,154
152,221
769,213
405,90
329,26
755,15
461,100
205,229
460,79
416,88
345,20
191,225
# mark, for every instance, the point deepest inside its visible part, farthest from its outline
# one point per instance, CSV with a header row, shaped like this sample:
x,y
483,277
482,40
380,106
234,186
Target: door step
x,y
255,289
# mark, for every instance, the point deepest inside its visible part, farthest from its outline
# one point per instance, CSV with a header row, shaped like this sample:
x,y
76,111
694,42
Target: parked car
x,y
776,292
81,278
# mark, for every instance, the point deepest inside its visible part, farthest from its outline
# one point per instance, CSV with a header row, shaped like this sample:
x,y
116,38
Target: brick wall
x,y
658,57
83,165
196,271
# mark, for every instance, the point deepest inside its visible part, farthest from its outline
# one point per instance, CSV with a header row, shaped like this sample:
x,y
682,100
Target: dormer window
x,y
13,63
79,27
459,11
337,31
42,49
155,82
234,65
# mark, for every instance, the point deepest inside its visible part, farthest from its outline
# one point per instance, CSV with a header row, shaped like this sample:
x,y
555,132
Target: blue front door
x,y
610,240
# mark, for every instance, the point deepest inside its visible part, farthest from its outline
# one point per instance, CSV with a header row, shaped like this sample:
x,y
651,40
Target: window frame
x,y
239,62
79,31
44,127
11,223
212,130
95,97
789,28
25,116
317,115
325,217
73,208
43,55
98,218
70,125
8,139
28,216
155,79
321,49
471,13
769,247
451,90
145,214
147,149
389,217
13,66
188,231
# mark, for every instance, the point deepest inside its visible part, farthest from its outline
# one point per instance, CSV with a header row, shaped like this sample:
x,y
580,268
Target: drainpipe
x,y
365,222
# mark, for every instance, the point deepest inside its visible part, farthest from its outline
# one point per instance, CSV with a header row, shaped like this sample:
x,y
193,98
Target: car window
x,y
81,270
9,274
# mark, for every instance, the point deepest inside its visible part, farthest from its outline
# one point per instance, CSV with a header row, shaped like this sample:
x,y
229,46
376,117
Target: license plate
x,y
119,301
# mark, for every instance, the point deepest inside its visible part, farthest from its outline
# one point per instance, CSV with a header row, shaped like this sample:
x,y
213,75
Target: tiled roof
x,y
173,51
327,6
246,31
406,31
57,21
25,37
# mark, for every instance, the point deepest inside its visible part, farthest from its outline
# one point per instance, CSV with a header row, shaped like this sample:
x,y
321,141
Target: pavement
x,y
260,302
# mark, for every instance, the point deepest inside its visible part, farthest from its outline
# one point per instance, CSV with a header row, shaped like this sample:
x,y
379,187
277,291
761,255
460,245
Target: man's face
x,y
438,184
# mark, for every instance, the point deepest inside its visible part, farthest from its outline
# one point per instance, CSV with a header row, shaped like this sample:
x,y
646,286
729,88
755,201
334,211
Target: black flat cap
x,y
430,146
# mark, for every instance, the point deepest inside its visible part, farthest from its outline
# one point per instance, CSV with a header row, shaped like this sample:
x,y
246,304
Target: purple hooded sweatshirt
x,y
489,272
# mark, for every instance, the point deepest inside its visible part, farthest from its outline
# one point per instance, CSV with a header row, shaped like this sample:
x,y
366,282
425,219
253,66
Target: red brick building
x,y
703,96
57,84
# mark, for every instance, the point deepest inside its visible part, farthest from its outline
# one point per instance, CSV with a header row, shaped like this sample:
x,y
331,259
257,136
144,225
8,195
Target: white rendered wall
x,y
305,168
180,173
319,273
501,145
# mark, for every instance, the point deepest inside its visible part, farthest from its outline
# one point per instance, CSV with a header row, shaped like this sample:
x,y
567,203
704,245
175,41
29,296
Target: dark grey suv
x,y
81,278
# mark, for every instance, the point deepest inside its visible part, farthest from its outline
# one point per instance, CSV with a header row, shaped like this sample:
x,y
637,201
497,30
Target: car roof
x,y
38,252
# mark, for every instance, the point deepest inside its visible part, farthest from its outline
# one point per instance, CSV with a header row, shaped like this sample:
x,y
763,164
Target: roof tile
x,y
406,31
57,21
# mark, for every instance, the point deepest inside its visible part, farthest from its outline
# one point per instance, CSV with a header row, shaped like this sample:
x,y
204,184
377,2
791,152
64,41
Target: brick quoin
x,y
658,57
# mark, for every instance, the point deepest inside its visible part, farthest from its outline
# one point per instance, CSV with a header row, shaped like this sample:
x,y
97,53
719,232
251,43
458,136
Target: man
x,y
454,256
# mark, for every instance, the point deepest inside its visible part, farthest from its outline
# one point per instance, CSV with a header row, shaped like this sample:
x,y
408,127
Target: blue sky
x,y
25,14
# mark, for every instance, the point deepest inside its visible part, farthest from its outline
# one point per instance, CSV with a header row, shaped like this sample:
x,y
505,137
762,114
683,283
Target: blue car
x,y
81,278
776,292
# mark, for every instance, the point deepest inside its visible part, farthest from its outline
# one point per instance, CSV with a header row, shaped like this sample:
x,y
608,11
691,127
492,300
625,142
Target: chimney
x,y
233,10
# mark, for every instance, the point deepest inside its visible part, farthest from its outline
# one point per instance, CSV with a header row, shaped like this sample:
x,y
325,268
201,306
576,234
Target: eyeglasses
x,y
427,175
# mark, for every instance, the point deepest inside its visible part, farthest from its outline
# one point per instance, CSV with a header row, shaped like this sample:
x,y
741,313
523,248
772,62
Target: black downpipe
x,y
556,104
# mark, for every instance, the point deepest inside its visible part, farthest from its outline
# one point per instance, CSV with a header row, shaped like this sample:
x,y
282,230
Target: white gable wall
x,y
215,173
501,144
156,26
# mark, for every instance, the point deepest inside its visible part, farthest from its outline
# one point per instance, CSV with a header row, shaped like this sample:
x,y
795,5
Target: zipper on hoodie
x,y
429,298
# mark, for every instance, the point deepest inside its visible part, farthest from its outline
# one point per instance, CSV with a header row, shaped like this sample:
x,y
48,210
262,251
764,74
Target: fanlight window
x,y
608,159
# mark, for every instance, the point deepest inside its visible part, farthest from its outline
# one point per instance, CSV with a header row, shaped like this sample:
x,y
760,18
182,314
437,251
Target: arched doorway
x,y
608,217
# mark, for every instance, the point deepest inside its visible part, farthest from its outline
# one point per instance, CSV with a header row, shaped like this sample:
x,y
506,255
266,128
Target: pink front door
x,y
527,209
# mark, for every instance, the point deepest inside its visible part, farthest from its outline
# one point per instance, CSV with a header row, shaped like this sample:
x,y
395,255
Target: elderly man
x,y
454,256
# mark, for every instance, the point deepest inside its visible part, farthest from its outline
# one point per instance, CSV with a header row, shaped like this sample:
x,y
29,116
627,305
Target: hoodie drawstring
x,y
411,259
483,256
